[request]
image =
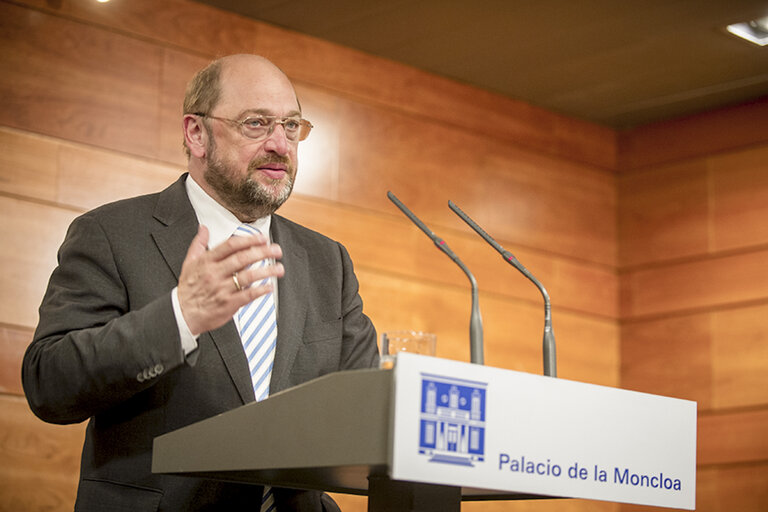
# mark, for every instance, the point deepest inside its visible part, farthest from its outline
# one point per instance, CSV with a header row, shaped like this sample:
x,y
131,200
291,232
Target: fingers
x,y
249,259
235,244
249,293
240,252
256,275
215,283
199,244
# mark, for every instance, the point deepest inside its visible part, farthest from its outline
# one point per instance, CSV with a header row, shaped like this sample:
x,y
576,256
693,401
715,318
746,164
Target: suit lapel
x,y
177,225
292,304
176,228
227,341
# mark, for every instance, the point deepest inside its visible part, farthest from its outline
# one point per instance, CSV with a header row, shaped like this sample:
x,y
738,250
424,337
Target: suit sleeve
x,y
93,348
359,348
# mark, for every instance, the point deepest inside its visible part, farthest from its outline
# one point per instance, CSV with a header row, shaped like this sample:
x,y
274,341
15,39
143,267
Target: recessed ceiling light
x,y
755,31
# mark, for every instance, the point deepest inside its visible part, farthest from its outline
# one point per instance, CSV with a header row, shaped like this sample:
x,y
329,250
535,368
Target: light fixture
x,y
754,31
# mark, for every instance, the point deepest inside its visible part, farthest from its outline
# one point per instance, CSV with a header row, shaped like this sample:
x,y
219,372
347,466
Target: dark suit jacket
x,y
107,348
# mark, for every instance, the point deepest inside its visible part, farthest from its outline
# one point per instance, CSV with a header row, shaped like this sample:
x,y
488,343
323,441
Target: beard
x,y
244,196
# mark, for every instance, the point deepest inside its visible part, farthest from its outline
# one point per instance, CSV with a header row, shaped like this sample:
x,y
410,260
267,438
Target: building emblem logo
x,y
452,418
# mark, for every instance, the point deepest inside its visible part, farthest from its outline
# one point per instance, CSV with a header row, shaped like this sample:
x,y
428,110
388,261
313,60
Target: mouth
x,y
275,171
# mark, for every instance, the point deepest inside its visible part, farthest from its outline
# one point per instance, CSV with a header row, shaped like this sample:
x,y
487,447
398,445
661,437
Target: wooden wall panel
x,y
572,285
40,461
708,204
206,31
669,357
540,505
659,223
31,235
75,176
704,134
319,154
740,357
184,24
733,437
741,487
77,82
588,349
683,287
692,252
739,202
381,81
567,208
89,178
517,195
177,69
28,165
13,343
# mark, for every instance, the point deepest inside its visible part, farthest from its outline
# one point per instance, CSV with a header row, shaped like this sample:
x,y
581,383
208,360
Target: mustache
x,y
269,159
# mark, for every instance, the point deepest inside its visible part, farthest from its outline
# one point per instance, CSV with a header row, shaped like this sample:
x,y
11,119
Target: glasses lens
x,y
292,128
259,127
304,129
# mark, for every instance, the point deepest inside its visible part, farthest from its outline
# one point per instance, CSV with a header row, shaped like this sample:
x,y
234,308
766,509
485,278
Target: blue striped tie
x,y
257,323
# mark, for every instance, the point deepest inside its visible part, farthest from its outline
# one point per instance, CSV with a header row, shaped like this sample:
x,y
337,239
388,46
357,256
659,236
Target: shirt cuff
x,y
188,340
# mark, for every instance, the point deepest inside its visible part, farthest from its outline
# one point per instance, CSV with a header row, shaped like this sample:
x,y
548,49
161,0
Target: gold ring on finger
x,y
237,283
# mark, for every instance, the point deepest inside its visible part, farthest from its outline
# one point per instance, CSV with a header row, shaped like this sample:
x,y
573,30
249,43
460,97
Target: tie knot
x,y
245,230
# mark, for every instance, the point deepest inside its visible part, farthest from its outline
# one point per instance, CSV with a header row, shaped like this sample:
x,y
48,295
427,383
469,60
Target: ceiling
x,y
619,63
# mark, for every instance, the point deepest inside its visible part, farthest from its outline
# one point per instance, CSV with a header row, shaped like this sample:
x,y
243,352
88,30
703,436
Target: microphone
x,y
475,321
550,359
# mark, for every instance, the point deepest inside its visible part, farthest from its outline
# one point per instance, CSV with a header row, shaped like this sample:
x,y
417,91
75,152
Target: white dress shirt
x,y
221,224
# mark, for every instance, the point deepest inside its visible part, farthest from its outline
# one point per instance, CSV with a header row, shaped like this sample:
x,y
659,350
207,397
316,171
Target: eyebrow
x,y
266,112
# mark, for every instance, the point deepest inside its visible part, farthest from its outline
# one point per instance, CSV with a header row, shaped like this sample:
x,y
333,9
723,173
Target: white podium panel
x,y
459,424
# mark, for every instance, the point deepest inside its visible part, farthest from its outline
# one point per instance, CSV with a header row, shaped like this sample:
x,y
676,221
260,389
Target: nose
x,y
277,142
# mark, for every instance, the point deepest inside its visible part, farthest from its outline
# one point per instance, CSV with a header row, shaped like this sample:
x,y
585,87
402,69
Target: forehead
x,y
255,86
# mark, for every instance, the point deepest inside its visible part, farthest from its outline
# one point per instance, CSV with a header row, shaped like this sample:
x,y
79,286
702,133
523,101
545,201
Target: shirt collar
x,y
221,223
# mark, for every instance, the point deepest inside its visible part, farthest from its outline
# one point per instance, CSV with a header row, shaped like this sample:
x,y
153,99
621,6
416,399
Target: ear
x,y
195,135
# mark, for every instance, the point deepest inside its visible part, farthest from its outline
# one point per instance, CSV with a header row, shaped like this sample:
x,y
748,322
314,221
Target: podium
x,y
433,432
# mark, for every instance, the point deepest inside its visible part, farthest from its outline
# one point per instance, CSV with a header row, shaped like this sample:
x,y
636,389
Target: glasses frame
x,y
304,125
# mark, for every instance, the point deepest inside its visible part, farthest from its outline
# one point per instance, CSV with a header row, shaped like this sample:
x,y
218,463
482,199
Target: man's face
x,y
261,189
252,178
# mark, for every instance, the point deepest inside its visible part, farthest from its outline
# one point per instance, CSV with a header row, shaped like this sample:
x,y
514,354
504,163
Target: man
x,y
139,327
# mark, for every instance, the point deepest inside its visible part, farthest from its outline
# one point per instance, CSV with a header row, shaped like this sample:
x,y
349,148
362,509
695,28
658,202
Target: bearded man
x,y
170,308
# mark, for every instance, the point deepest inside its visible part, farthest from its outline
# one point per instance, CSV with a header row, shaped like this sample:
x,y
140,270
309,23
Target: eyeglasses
x,y
260,127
